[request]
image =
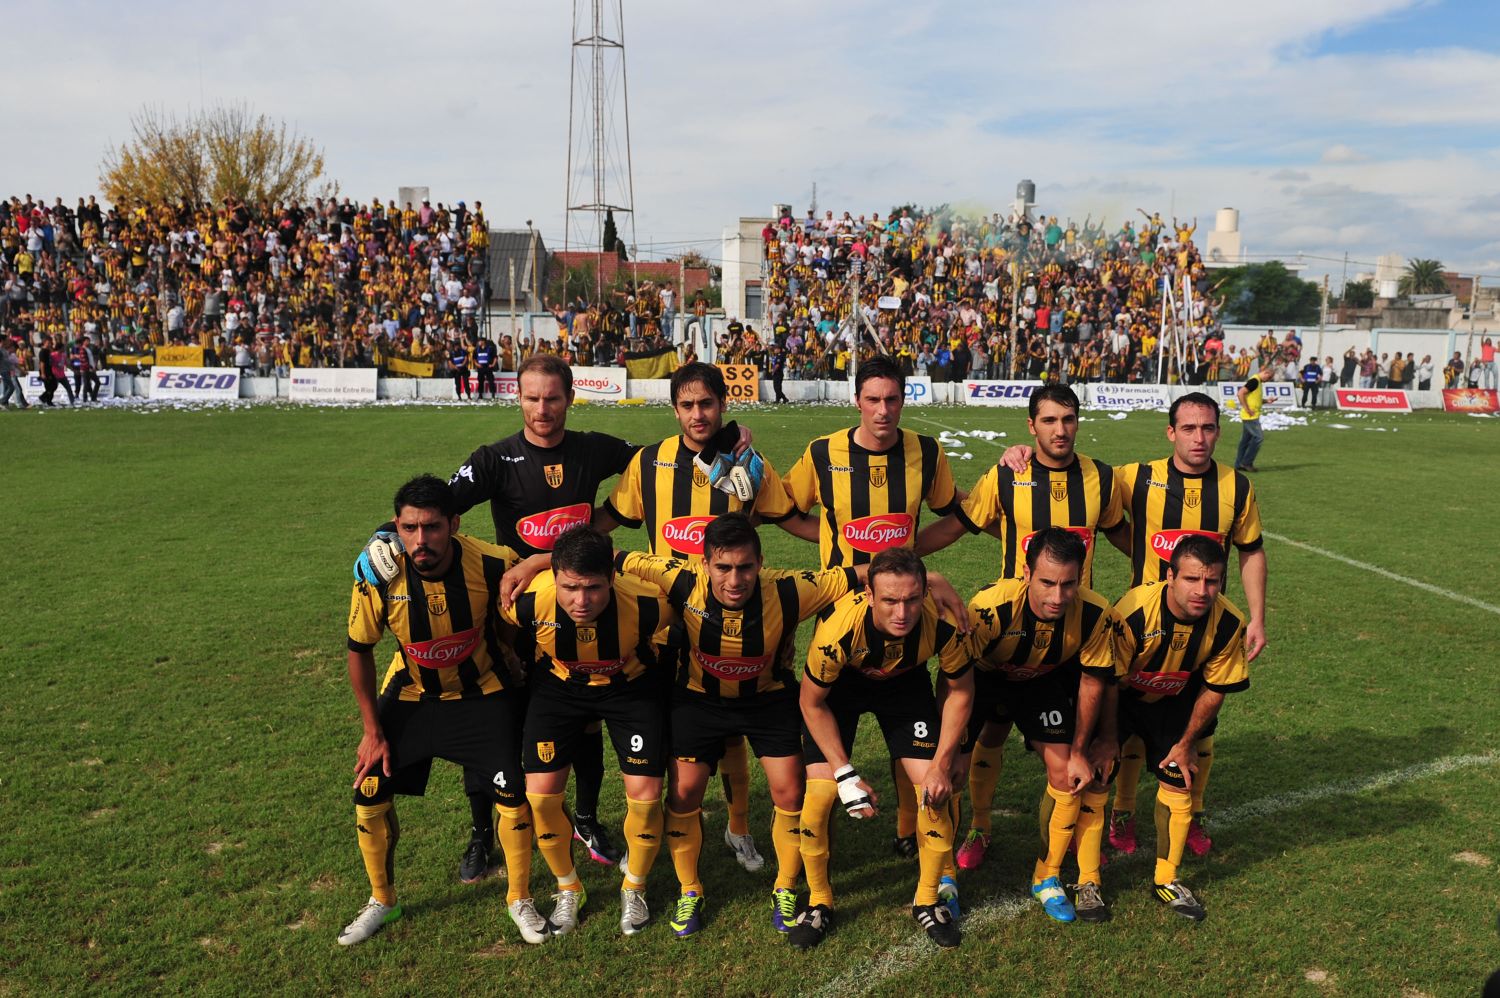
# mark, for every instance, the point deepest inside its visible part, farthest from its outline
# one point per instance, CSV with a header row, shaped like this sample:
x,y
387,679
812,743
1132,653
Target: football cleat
x,y
939,924
948,895
1088,902
688,918
905,846
971,853
633,911
1054,900
784,909
592,834
565,909
1198,842
1180,900
476,861
373,917
744,850
1122,831
811,926
532,926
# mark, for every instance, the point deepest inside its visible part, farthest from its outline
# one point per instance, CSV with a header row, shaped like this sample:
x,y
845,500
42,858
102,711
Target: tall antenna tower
x,y
600,181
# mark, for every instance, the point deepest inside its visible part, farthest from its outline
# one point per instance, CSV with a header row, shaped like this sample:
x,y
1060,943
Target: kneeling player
x,y
869,654
1045,659
591,638
448,702
1182,645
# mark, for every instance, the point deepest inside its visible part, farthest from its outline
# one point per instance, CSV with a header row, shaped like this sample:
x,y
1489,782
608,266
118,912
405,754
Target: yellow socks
x,y
984,776
378,835
515,834
816,808
1174,813
1058,815
955,811
554,837
643,828
906,801
685,840
934,850
786,838
734,772
1132,761
1090,833
1205,750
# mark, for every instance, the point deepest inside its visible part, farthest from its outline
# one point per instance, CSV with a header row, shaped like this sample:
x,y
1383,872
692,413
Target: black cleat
x,y
938,921
591,833
905,846
1088,902
812,924
1180,900
476,861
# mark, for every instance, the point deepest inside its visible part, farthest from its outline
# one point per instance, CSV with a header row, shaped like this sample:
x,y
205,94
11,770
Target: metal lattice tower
x,y
599,170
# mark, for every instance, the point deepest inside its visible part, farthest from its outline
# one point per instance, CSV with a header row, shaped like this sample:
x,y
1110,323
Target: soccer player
x,y
1181,644
871,481
869,654
449,698
1045,659
590,637
1057,487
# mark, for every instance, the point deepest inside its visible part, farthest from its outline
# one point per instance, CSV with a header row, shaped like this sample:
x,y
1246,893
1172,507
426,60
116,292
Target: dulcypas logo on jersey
x,y
685,533
734,668
876,533
541,530
443,653
591,668
1164,542
1161,683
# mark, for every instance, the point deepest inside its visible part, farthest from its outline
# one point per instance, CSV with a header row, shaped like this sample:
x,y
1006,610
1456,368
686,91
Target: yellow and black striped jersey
x,y
618,647
871,500
1081,497
846,639
664,490
734,654
449,630
1166,505
1163,656
1011,640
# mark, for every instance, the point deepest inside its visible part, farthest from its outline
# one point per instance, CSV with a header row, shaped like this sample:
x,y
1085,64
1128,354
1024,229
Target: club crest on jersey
x,y
369,785
546,751
1043,637
733,627
553,473
1192,497
437,604
586,633
877,476
699,478
1180,640
1059,489
893,651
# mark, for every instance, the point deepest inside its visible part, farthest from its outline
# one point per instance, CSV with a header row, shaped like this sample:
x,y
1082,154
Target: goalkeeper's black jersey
x,y
537,493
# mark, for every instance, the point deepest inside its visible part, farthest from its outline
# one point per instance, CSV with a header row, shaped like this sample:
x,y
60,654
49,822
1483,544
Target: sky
x,y
1334,126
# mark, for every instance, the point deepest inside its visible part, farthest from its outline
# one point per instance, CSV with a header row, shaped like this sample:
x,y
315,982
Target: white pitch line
x,y
1387,573
905,956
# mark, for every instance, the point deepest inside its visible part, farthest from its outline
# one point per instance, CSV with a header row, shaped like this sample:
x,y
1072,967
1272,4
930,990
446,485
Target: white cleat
x,y
373,917
633,911
565,910
743,847
533,927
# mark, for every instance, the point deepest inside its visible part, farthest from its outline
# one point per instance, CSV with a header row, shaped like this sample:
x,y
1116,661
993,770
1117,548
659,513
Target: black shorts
x,y
483,734
904,707
1044,708
700,724
1159,725
636,713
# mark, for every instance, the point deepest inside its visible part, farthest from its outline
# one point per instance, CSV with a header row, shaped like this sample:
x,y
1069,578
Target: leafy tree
x,y
209,155
1358,294
1422,277
1266,294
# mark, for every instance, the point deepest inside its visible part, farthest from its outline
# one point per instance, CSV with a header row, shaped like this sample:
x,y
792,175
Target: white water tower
x,y
1224,249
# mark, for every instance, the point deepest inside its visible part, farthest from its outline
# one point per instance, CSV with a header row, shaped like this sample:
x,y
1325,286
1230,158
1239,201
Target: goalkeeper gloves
x,y
379,562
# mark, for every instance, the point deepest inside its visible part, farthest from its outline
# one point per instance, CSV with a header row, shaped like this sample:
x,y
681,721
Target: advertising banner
x,y
179,356
332,384
1011,394
34,386
415,368
919,391
599,384
743,382
1470,400
1277,394
506,387
202,384
1129,397
1373,399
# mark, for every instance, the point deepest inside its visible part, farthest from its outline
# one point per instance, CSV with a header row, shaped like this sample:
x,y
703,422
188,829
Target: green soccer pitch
x,y
180,734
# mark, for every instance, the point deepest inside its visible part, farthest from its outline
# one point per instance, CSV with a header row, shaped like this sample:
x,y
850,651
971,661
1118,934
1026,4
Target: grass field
x,y
180,735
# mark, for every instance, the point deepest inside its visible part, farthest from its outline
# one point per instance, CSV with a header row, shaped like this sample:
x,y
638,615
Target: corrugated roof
x,y
507,245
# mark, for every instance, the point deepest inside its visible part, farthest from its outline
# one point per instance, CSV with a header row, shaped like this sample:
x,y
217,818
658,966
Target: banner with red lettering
x,y
1470,400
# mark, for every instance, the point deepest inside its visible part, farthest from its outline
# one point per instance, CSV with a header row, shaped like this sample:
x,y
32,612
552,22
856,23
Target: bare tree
x,y
224,151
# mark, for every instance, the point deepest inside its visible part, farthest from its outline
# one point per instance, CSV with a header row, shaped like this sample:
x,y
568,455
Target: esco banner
x,y
742,381
202,384
1011,394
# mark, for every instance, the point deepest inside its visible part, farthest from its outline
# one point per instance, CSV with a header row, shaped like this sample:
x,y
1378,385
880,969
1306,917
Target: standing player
x,y
869,654
1057,487
449,698
1182,646
871,481
591,639
1045,658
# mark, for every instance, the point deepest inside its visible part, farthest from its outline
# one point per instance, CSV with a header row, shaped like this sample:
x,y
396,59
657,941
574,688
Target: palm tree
x,y
1423,277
